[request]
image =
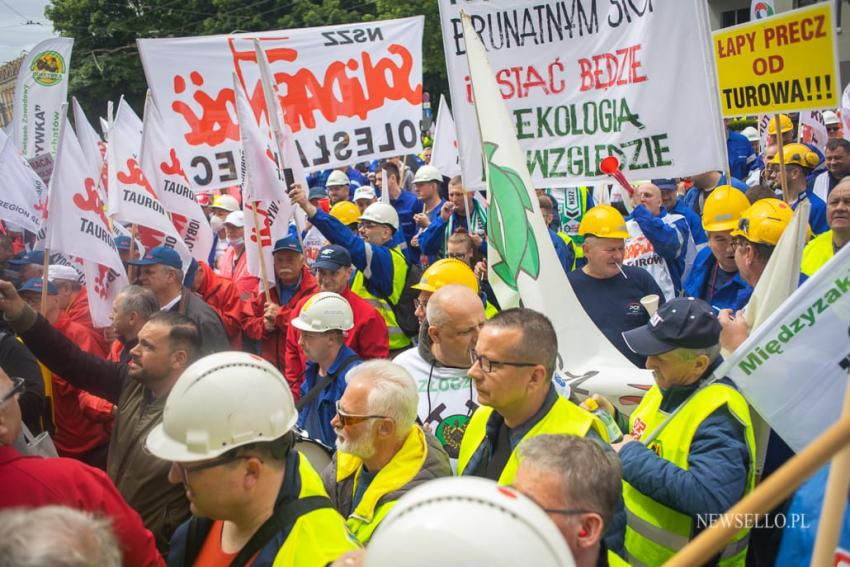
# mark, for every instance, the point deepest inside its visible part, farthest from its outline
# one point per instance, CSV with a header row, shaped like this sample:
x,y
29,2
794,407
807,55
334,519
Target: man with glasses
x,y
579,485
32,482
227,438
513,364
381,452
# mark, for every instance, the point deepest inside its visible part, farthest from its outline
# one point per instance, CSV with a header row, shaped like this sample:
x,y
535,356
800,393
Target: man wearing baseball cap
x,y
74,301
28,265
234,263
363,197
702,461
368,337
162,273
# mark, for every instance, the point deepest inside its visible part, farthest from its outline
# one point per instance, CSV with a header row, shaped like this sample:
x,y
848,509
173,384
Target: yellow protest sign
x,y
784,63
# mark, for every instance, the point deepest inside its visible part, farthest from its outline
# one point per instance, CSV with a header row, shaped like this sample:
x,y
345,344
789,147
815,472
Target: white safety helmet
x,y
236,218
325,311
427,173
751,134
465,522
381,213
222,401
337,177
830,117
226,202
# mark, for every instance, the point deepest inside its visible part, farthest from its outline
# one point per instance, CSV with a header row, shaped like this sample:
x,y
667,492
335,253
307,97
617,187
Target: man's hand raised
x,y
11,303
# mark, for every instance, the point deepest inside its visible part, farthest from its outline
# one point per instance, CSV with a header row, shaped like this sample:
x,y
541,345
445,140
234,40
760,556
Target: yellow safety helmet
x,y
447,272
723,208
764,221
603,221
785,125
346,212
798,154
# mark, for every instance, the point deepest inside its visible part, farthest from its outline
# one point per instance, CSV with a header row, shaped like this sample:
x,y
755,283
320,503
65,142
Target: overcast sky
x,y
15,34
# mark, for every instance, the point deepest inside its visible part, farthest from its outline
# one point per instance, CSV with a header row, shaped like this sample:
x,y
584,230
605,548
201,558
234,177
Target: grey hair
x,y
56,536
590,477
688,354
178,273
392,394
139,299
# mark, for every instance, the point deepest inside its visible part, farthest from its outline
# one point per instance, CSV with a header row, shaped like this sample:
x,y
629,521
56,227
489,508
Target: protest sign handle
x,y
45,267
834,500
776,488
781,153
263,272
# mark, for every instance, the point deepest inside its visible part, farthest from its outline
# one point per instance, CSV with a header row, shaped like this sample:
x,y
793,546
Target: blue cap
x,y
123,243
33,257
317,193
287,243
35,285
665,184
332,257
159,255
684,322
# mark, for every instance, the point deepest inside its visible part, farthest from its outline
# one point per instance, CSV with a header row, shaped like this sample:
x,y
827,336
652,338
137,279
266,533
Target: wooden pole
x,y
776,488
45,267
783,179
263,272
834,500
131,269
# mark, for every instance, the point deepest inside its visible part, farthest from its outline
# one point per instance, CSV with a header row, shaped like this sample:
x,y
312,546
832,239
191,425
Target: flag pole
x,y
45,267
131,269
263,272
781,153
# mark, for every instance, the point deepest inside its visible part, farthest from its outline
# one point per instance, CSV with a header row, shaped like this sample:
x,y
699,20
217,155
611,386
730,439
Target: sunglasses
x,y
346,419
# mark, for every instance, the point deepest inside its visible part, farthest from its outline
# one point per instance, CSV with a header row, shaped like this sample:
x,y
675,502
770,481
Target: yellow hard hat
x,y
798,154
764,221
346,212
603,221
785,125
447,272
723,208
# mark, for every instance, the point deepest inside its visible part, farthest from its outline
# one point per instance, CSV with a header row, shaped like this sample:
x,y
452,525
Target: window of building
x,y
734,17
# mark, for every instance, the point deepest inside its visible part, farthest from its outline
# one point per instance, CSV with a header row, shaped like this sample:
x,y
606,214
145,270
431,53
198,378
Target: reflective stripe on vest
x,y
576,249
563,418
398,339
654,532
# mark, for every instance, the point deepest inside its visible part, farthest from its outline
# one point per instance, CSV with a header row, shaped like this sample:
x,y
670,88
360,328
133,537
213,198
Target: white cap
x,y
381,213
60,272
829,117
325,311
337,178
365,192
226,202
751,134
466,521
236,218
427,173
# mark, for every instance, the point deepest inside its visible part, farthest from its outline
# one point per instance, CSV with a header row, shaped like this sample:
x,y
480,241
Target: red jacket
x,y
368,338
35,482
274,344
221,294
245,283
78,311
83,421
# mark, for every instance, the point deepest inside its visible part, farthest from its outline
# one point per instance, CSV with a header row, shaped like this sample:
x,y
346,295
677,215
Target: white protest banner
x,y
812,129
844,112
350,93
165,173
23,201
103,284
40,91
132,198
90,142
583,80
444,154
522,263
760,9
274,225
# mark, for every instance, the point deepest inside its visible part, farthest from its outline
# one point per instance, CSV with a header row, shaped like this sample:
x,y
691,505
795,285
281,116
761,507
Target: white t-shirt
x,y
313,242
446,404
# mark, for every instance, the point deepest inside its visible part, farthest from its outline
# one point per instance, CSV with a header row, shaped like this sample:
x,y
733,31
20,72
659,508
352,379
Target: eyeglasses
x,y
186,469
457,255
487,363
346,419
17,388
417,304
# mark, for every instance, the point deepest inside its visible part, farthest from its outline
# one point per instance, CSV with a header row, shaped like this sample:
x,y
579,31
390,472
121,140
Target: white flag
x,y
40,91
522,262
444,154
103,284
812,129
760,9
23,200
844,112
165,173
274,225
89,140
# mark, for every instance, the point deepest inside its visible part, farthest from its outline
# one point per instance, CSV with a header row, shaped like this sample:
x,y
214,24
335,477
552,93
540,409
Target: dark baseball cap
x,y
159,255
35,285
32,257
288,243
317,192
665,184
684,322
332,257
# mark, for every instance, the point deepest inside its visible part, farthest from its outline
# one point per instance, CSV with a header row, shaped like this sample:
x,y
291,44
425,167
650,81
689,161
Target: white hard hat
x,y
365,192
751,134
236,218
829,117
325,311
60,272
427,173
466,521
222,401
226,202
337,178
381,213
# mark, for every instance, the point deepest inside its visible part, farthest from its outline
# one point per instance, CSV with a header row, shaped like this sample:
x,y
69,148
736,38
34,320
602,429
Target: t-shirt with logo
x,y
313,242
613,304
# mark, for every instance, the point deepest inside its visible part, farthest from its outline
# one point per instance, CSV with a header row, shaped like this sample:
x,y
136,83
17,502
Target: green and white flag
x,y
522,264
